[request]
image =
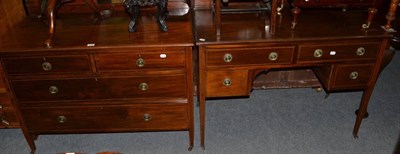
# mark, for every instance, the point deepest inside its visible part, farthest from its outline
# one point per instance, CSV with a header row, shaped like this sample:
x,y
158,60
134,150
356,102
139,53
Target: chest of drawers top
x,y
84,32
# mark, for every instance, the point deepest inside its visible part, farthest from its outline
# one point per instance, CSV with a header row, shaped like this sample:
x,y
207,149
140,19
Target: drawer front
x,y
153,60
100,88
102,118
40,65
227,83
337,52
249,56
352,76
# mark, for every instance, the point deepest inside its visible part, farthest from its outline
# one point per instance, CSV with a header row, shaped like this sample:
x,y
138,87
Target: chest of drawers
x,y
115,86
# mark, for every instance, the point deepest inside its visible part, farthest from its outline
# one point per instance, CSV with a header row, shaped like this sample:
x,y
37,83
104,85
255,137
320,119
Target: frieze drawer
x,y
50,64
345,77
227,83
138,117
249,56
171,86
153,60
337,52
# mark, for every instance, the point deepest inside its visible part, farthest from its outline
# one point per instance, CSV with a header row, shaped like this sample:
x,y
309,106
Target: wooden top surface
x,y
326,24
78,30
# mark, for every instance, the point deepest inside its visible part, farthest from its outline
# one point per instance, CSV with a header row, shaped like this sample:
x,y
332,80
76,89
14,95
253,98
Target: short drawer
x,y
337,52
151,60
100,88
137,117
50,64
227,83
345,77
249,56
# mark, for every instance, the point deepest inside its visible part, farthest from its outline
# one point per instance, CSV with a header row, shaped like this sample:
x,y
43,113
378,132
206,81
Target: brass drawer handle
x,y
360,51
318,53
228,57
61,119
146,117
353,75
143,86
47,66
53,90
140,62
227,82
273,56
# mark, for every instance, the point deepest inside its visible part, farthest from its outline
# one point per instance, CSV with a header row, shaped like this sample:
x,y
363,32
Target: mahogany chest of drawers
x,y
120,82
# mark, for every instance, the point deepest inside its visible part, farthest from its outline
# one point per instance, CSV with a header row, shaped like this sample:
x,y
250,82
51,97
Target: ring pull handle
x,y
146,117
273,56
47,66
318,53
61,119
140,62
53,90
353,75
360,51
227,82
143,86
228,57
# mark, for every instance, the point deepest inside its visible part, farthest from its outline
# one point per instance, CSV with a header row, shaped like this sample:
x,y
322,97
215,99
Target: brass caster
x,y
203,147
365,116
190,148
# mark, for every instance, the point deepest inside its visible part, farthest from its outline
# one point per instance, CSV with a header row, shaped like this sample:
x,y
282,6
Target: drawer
x,y
345,77
249,56
172,86
337,52
53,64
137,117
153,60
227,83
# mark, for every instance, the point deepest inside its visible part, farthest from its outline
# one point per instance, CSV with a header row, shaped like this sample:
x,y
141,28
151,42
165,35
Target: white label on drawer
x,y
332,53
91,45
163,55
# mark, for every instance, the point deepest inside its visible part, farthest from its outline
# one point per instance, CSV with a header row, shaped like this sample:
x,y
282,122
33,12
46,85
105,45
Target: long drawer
x,y
249,56
337,52
145,60
171,86
137,117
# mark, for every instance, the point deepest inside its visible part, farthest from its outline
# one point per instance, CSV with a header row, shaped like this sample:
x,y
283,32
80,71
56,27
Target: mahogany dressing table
x,y
343,55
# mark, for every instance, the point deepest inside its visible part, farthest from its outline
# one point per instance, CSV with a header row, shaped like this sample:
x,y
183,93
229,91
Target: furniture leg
x,y
133,11
201,96
162,15
362,111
